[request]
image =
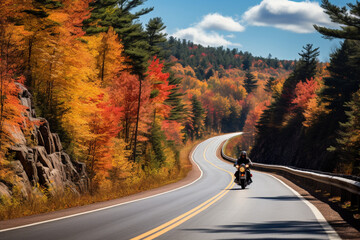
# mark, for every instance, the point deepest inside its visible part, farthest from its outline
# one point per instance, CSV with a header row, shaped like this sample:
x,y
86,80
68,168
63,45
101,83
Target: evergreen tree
x,y
270,126
348,142
157,140
196,126
117,14
306,67
345,76
247,61
198,117
304,70
250,83
349,19
156,36
175,99
342,84
269,84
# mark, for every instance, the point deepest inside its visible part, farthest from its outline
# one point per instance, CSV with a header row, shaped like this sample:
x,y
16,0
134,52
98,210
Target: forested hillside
x,y
123,98
314,121
97,75
226,89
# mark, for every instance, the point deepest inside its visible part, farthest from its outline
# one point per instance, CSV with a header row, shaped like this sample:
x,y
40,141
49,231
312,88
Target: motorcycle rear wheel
x,y
242,183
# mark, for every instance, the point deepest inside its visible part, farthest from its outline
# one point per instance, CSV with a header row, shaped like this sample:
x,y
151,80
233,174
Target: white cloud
x,y
297,17
205,32
215,21
199,36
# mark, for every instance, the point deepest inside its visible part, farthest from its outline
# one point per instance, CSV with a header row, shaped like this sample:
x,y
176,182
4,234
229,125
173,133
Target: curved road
x,y
210,208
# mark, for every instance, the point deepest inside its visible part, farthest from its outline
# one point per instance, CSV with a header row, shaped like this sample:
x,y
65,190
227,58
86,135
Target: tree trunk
x,y
1,95
137,118
103,67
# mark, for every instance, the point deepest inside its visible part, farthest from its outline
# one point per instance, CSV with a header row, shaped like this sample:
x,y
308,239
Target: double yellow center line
x,y
160,230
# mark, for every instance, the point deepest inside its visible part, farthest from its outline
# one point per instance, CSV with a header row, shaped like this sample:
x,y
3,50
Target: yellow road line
x,y
158,231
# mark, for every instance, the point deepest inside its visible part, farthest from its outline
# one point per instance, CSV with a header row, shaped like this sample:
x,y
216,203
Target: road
x,y
210,208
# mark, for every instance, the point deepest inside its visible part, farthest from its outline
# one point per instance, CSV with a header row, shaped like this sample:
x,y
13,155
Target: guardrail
x,y
347,189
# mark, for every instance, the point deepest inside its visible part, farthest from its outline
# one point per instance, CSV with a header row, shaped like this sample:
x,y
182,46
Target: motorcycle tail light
x,y
250,175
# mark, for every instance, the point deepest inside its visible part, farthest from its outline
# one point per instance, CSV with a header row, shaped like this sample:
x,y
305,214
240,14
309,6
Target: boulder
x,y
40,139
22,179
76,172
57,182
48,141
26,156
41,157
57,142
45,164
55,159
16,134
4,191
43,174
69,169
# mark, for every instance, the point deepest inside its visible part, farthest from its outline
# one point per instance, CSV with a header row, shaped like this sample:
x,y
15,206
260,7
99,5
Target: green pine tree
x,y
250,83
269,84
156,37
349,19
348,142
196,126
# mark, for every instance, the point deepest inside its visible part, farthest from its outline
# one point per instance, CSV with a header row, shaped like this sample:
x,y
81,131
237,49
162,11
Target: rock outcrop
x,y
43,162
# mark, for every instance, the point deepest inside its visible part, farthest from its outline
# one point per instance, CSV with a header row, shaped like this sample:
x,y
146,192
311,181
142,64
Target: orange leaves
x,y
305,91
104,126
173,131
254,116
12,112
307,100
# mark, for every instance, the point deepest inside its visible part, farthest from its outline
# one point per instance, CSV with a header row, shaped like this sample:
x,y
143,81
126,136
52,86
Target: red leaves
x,y
160,86
305,91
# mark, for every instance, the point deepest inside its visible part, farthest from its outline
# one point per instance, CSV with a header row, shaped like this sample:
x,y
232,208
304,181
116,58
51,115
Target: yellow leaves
x,y
58,17
277,88
120,159
313,110
107,50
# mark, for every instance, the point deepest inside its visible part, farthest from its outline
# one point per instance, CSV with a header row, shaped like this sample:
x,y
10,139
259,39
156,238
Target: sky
x,y
262,27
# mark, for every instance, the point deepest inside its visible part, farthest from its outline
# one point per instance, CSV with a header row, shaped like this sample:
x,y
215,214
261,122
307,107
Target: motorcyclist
x,y
243,159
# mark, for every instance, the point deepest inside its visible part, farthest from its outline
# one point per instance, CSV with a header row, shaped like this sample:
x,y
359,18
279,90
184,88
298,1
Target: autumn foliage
x,y
118,100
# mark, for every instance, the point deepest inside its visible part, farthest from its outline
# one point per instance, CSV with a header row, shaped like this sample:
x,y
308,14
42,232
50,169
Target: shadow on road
x,y
276,229
236,189
279,198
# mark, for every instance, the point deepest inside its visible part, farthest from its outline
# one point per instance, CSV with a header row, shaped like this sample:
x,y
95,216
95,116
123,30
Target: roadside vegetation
x,y
130,103
41,203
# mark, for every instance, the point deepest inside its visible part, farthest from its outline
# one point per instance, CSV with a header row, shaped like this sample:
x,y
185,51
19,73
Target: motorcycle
x,y
244,175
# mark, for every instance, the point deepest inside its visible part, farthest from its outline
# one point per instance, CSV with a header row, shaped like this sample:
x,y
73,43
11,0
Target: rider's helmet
x,y
243,154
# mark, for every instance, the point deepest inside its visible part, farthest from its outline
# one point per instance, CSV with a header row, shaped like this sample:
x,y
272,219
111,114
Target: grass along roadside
x,y
16,206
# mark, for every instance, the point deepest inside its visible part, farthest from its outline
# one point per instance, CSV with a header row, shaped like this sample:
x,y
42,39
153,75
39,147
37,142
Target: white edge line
x,y
116,205
332,234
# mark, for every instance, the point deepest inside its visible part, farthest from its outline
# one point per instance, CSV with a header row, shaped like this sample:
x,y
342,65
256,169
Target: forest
x,y
123,98
126,99
314,122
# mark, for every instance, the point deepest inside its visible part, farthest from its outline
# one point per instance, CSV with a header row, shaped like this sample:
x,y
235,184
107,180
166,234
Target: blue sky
x,y
262,27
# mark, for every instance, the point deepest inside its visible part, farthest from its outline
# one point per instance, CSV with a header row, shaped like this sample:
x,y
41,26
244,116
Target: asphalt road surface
x,y
212,207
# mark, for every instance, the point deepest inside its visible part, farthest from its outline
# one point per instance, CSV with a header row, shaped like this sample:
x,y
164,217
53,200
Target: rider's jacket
x,y
245,160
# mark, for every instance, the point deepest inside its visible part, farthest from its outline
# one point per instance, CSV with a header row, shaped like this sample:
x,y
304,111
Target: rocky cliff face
x,y
44,163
